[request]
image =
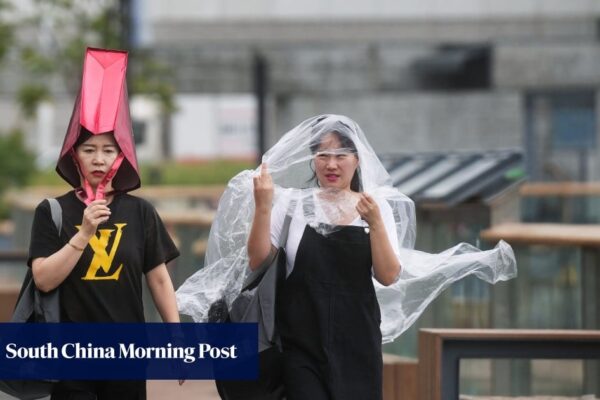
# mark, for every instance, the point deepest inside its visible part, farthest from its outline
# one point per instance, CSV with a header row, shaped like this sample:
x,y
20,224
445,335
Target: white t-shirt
x,y
298,224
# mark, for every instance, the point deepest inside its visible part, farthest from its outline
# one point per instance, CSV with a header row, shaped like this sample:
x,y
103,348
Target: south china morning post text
x,y
77,350
128,351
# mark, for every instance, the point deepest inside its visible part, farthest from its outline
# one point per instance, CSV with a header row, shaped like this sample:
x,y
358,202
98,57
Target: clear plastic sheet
x,y
291,164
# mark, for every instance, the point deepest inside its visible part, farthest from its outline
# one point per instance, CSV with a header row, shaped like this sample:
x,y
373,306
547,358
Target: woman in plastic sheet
x,y
109,239
353,279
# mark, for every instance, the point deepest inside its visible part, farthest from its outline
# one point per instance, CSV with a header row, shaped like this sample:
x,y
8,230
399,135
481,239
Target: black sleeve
x,y
158,248
44,240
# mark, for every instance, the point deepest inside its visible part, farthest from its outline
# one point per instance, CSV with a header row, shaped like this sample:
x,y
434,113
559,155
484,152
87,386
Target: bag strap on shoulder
x,y
31,302
285,230
56,211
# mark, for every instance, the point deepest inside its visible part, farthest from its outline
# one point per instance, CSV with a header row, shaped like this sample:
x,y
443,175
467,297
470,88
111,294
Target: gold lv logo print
x,y
102,259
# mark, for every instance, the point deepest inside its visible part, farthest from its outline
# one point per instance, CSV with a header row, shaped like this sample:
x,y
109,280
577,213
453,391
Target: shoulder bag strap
x,y
31,301
47,305
56,212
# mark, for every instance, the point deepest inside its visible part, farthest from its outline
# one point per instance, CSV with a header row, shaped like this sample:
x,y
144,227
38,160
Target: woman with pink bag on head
x,y
109,239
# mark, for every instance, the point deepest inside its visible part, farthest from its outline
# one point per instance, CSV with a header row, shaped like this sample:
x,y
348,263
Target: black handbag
x,y
35,306
258,306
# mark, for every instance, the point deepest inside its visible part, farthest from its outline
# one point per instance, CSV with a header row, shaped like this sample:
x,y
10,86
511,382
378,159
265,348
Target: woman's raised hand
x,y
369,210
94,214
263,188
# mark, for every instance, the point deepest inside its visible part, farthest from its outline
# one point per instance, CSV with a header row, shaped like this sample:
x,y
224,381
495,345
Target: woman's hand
x,y
263,189
94,214
259,240
369,210
49,272
386,266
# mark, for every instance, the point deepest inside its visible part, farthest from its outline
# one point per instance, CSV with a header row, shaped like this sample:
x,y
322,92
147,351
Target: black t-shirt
x,y
106,283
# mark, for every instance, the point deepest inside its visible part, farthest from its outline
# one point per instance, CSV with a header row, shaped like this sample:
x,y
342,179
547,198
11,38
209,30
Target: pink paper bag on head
x,y
102,106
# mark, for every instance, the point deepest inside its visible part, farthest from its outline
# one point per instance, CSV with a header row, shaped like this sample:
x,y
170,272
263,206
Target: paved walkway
x,y
170,390
585,397
205,390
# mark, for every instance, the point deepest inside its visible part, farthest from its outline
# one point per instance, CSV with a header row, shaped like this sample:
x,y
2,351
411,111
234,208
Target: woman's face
x,y
96,156
335,166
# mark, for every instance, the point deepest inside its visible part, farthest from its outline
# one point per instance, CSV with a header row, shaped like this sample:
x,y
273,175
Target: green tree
x,y
6,31
16,163
64,29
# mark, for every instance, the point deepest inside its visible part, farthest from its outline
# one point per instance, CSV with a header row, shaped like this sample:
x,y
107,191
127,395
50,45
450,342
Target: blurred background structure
x,y
485,112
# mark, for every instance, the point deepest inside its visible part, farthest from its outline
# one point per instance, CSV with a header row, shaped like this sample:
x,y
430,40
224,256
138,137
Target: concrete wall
x,y
366,68
319,56
547,65
399,123
370,30
344,9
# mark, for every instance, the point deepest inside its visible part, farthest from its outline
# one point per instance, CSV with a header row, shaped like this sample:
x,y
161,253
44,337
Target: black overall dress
x,y
328,318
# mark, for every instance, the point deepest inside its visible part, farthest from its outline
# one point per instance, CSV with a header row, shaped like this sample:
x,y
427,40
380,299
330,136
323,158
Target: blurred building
x,y
416,75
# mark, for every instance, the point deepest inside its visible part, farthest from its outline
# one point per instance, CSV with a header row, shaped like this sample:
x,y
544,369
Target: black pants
x,y
99,390
303,382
